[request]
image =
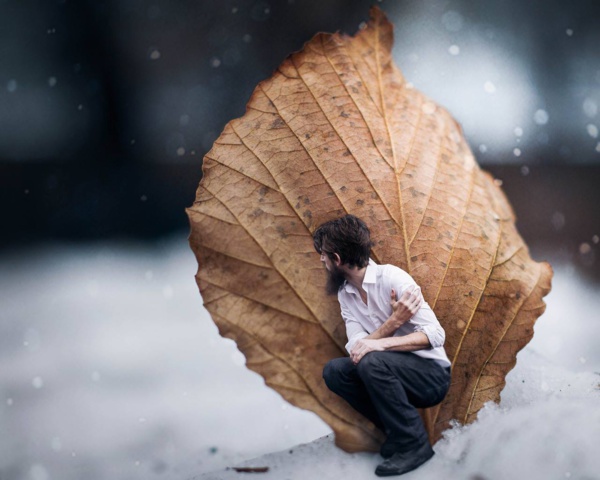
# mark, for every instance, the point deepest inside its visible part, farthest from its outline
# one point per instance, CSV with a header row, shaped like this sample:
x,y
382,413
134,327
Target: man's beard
x,y
335,280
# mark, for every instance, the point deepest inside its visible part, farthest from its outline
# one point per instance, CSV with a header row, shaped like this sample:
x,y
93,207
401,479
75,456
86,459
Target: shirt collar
x,y
370,276
370,273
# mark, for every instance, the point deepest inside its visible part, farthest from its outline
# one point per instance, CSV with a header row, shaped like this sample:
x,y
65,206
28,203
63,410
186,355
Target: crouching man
x,y
397,361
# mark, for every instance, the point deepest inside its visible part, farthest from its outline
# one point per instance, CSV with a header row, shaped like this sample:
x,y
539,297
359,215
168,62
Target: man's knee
x,y
334,370
381,363
372,361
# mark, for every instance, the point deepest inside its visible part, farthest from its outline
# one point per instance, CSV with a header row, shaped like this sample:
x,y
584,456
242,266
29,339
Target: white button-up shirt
x,y
362,320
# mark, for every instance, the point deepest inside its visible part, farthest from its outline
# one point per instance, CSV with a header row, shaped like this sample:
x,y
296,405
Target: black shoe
x,y
402,462
386,451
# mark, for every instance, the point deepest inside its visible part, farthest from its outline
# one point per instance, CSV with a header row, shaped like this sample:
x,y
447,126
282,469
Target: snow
x,y
489,87
454,50
590,108
135,382
94,338
11,86
546,426
541,117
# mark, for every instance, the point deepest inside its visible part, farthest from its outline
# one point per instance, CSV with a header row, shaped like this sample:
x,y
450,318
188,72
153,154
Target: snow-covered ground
x,y
547,427
111,369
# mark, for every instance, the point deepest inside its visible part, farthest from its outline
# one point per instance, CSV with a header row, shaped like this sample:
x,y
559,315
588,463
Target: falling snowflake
x,y
37,382
489,87
541,117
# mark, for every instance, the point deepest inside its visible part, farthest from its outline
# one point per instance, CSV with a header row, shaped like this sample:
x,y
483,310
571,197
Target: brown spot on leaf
x,y
280,230
277,123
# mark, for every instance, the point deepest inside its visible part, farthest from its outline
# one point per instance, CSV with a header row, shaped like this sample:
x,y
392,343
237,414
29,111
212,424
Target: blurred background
x,y
107,107
106,110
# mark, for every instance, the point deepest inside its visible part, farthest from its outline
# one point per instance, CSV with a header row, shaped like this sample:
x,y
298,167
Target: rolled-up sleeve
x,y
354,330
435,334
424,320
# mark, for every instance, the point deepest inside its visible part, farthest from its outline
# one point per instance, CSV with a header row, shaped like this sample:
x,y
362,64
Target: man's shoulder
x,y
389,269
392,273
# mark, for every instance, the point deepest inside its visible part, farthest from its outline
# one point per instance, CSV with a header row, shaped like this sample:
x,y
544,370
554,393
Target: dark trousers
x,y
387,388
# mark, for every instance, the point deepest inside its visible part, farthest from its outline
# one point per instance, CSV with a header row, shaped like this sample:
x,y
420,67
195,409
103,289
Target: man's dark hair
x,y
347,236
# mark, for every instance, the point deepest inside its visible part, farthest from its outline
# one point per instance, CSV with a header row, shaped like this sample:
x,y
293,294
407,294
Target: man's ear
x,y
337,260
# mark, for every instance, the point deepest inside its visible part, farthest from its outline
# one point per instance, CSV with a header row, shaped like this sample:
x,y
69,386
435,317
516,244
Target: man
x,y
397,361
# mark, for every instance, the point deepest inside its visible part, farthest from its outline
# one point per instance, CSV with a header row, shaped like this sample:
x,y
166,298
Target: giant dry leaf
x,y
338,130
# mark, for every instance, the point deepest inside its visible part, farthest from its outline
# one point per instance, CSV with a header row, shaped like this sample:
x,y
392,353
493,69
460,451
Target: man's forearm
x,y
384,331
393,323
406,343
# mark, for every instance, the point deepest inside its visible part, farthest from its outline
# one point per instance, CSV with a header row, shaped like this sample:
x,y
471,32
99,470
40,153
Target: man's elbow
x,y
442,337
436,337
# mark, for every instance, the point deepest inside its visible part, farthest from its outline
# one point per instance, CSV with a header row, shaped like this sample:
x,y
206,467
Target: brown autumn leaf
x,y
338,130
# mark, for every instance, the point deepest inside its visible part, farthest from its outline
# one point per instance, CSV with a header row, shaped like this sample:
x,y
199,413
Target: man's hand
x,y
403,309
364,346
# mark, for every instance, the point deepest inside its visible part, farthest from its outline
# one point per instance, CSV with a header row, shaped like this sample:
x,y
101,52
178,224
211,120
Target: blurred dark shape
x,y
107,107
